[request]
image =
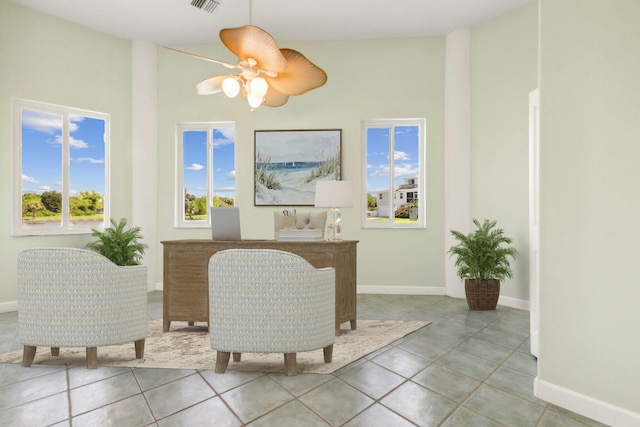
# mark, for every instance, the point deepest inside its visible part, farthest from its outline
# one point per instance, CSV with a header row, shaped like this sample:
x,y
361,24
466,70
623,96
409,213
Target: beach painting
x,y
288,163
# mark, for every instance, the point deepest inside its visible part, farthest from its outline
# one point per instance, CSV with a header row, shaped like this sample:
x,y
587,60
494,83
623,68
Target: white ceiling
x,y
176,22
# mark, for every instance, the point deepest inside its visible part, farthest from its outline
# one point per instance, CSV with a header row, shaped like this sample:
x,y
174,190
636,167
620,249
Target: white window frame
x,y
65,227
180,222
390,124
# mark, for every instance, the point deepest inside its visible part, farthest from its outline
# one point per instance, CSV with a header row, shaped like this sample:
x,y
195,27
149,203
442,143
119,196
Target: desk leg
x,y
165,325
353,323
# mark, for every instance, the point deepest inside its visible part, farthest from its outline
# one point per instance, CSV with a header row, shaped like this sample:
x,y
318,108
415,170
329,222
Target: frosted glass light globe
x,y
254,100
259,86
231,87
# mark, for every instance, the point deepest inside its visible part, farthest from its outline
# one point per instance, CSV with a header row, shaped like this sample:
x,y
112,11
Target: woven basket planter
x,y
482,294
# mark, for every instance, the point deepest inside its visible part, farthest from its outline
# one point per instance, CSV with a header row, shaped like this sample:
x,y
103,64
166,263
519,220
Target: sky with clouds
x,y
195,162
405,156
42,153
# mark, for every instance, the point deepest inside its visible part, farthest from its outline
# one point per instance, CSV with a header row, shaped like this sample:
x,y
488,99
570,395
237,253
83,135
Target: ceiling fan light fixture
x,y
267,75
254,100
258,87
249,73
231,87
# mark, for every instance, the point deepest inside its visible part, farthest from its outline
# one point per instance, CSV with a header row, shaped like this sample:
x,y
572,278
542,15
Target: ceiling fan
x,y
267,74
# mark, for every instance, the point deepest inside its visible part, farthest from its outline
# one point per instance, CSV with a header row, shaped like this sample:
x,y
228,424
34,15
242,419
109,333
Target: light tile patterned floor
x,y
467,368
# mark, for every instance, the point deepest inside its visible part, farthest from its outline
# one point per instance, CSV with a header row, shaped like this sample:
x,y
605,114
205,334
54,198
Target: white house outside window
x,y
393,173
61,165
206,171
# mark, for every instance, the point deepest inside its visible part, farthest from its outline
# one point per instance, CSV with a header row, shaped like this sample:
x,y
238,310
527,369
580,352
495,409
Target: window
x,y
60,166
393,173
206,171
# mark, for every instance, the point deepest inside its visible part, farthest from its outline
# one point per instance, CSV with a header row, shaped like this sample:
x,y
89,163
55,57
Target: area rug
x,y
188,348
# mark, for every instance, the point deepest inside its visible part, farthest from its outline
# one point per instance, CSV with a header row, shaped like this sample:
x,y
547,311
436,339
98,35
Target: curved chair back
x,y
266,300
71,297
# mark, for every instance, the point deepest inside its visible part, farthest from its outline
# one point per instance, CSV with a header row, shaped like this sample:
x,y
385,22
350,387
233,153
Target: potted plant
x,y
122,246
482,261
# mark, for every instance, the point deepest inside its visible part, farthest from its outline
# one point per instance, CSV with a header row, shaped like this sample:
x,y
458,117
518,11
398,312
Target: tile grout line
x,y
483,382
144,396
461,403
69,403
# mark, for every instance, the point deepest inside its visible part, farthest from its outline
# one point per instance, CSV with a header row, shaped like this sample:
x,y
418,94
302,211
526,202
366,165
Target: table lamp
x,y
334,195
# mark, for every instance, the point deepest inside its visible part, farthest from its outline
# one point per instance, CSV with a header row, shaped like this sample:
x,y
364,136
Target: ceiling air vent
x,y
206,5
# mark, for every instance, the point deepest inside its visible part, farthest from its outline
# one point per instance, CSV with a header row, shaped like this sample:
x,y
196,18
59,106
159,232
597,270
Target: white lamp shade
x,y
333,194
231,87
254,100
259,86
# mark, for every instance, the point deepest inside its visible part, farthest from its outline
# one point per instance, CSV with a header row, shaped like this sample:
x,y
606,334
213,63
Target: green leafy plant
x,y
122,246
481,254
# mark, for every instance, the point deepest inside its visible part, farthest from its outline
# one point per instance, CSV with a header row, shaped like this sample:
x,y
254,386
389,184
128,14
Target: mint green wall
x,y
367,79
67,64
590,152
49,60
590,128
504,69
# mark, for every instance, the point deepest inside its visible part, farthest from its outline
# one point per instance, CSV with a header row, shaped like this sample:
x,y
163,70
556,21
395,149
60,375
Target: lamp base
x,y
333,230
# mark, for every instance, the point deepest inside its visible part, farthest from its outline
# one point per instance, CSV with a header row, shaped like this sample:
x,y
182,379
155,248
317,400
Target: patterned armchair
x,y
269,301
69,297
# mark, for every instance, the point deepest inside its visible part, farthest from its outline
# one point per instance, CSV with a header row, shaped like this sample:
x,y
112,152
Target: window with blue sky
x,y
206,170
393,156
61,168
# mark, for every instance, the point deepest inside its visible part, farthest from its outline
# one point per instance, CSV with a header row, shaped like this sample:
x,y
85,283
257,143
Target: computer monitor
x,y
225,223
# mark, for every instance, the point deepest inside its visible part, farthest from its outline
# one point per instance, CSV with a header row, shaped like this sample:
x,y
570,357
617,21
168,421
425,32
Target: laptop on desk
x,y
225,223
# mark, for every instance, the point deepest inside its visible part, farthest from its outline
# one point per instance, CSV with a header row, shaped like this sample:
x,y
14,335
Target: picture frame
x,y
289,162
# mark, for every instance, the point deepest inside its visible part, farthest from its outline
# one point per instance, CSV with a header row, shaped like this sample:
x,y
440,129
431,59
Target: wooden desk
x,y
186,281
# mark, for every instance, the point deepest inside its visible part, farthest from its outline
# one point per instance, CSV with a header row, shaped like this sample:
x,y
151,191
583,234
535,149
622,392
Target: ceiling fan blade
x,y
204,58
210,86
300,76
255,43
273,98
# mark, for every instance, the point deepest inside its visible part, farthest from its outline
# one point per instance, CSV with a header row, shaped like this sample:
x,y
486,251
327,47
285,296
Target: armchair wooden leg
x,y
28,354
237,357
55,351
290,365
328,353
139,346
222,361
92,357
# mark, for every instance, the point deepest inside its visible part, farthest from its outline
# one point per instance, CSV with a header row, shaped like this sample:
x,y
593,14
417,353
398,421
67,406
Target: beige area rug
x,y
188,348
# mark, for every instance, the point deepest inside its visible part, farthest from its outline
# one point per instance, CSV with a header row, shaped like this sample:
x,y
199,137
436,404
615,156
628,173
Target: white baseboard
x,y
514,303
585,405
6,307
422,290
401,290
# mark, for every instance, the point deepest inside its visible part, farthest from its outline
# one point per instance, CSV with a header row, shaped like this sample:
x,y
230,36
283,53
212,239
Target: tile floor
x,y
465,369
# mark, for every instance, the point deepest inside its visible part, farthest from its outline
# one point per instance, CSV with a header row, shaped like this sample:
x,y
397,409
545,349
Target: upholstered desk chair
x,y
269,301
69,297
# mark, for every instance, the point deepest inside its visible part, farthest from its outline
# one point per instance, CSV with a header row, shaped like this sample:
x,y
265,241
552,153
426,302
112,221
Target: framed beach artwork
x,y
288,163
